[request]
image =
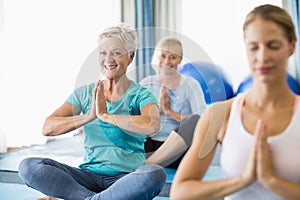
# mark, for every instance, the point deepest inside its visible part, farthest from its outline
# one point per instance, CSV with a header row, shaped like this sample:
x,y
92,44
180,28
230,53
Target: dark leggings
x,y
185,129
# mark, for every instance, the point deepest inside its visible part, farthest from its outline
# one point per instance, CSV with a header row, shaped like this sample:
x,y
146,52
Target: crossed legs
x,y
59,180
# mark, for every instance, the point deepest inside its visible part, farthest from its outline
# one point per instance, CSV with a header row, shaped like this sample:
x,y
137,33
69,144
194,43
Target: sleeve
x,y
80,98
196,98
73,99
146,97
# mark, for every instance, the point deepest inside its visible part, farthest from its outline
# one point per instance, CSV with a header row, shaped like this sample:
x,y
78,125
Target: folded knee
x,y
158,171
24,166
154,178
153,172
27,167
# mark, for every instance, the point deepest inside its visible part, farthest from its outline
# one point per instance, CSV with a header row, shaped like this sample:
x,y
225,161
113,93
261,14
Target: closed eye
x,y
274,45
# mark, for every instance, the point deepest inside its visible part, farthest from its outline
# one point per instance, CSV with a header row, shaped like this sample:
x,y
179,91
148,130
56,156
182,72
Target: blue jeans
x,y
60,180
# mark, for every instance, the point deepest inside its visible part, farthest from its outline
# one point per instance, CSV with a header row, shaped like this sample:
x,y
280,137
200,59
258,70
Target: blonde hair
x,y
276,15
169,44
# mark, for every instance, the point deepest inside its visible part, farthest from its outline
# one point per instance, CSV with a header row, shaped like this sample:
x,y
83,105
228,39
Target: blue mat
x,y
22,192
213,173
9,191
66,150
170,175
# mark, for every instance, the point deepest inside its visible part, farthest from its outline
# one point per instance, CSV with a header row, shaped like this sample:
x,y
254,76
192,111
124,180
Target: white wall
x,y
216,25
46,43
2,75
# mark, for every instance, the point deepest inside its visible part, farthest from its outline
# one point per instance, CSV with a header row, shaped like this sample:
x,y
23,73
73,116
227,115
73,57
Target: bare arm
x,y
175,115
66,118
169,151
146,123
287,189
63,120
187,183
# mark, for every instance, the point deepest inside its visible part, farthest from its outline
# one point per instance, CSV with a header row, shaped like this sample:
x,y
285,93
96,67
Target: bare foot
x,y
47,198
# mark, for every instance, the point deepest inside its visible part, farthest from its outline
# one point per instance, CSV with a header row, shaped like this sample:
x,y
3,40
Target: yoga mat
x,y
66,150
9,191
214,172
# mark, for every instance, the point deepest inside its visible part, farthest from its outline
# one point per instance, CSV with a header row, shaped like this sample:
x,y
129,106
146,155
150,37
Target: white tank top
x,y
236,146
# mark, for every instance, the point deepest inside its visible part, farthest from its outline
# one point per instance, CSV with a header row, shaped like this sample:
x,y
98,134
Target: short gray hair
x,y
125,33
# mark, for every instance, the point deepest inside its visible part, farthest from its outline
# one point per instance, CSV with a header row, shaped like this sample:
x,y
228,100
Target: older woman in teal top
x,y
123,150
116,114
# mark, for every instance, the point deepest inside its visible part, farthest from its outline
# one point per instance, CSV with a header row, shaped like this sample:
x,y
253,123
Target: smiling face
x,y
113,57
268,49
169,59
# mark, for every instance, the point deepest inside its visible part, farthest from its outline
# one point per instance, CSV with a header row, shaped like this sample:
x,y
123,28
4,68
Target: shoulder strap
x,y
297,98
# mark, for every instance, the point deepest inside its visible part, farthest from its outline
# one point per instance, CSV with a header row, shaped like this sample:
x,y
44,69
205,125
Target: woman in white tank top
x,y
258,130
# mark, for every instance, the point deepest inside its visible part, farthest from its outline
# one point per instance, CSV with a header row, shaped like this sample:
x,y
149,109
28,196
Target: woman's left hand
x,y
101,109
264,166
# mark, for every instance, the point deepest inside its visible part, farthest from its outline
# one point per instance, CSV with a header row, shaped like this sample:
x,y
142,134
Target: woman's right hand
x,y
92,113
250,174
100,102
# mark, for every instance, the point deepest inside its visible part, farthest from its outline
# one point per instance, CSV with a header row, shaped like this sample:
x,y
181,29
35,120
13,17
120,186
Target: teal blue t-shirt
x,y
109,149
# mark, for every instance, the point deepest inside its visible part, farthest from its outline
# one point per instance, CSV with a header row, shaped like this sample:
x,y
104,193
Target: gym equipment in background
x,y
246,84
214,83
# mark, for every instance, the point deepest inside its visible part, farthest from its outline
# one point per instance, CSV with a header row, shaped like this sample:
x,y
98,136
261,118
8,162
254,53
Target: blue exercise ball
x,y
246,84
215,85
